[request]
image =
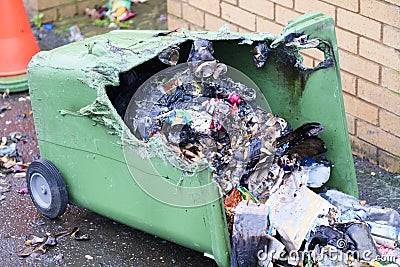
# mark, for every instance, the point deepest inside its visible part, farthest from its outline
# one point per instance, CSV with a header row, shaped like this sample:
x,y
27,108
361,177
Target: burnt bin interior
x,y
278,79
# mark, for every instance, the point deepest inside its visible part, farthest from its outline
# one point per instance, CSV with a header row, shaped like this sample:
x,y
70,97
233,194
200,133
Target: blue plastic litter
x,y
10,150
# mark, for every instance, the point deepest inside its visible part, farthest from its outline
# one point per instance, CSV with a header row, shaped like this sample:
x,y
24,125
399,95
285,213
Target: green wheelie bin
x,y
90,157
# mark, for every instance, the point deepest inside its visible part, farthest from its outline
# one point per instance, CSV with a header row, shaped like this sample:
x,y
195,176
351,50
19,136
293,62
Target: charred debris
x,y
264,167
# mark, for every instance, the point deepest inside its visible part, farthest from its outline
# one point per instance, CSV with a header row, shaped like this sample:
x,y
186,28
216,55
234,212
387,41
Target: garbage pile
x,y
263,167
112,14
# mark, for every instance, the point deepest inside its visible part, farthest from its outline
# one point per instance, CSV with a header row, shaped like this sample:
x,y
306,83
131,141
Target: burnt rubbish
x,y
262,165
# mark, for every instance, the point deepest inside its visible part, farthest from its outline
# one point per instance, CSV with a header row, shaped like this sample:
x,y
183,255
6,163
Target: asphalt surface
x,y
111,243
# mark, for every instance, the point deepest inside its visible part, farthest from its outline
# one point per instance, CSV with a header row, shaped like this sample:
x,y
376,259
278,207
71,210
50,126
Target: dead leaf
x,y
9,164
20,175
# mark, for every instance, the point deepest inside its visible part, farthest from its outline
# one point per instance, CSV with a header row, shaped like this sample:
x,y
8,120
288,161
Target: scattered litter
x,y
24,116
260,54
22,99
10,150
98,12
385,231
19,167
170,55
20,175
4,186
48,27
7,162
39,222
6,93
378,214
5,108
2,197
162,17
249,233
36,246
23,191
114,14
76,34
88,257
373,173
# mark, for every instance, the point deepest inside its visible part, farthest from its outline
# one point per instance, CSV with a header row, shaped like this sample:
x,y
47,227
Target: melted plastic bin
x,y
79,94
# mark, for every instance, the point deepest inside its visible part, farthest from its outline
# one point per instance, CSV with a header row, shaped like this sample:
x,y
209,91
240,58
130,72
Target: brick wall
x,y
368,33
56,9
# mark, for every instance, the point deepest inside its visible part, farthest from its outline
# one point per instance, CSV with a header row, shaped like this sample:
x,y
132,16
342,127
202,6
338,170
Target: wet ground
x,y
150,15
111,243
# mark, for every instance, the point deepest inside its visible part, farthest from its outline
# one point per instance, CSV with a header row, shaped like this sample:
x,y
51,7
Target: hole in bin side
x,y
312,57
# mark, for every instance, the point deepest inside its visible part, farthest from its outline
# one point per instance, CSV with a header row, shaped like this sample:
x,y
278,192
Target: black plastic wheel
x,y
47,188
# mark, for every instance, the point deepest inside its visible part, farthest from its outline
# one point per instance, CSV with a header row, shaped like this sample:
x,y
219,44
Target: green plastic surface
x,y
15,84
79,130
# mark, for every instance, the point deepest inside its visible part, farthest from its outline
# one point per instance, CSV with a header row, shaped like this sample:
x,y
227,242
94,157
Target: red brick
x,y
378,95
262,8
284,15
286,3
314,5
363,149
193,14
174,7
360,109
175,22
358,24
391,79
264,25
389,162
359,66
347,40
349,82
211,6
351,5
391,36
389,122
378,137
214,23
377,52
238,16
385,12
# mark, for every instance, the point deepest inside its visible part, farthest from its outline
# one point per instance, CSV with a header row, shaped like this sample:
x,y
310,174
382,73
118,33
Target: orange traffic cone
x,y
17,45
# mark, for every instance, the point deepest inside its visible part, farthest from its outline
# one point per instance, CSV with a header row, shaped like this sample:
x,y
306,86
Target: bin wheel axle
x,y
47,188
